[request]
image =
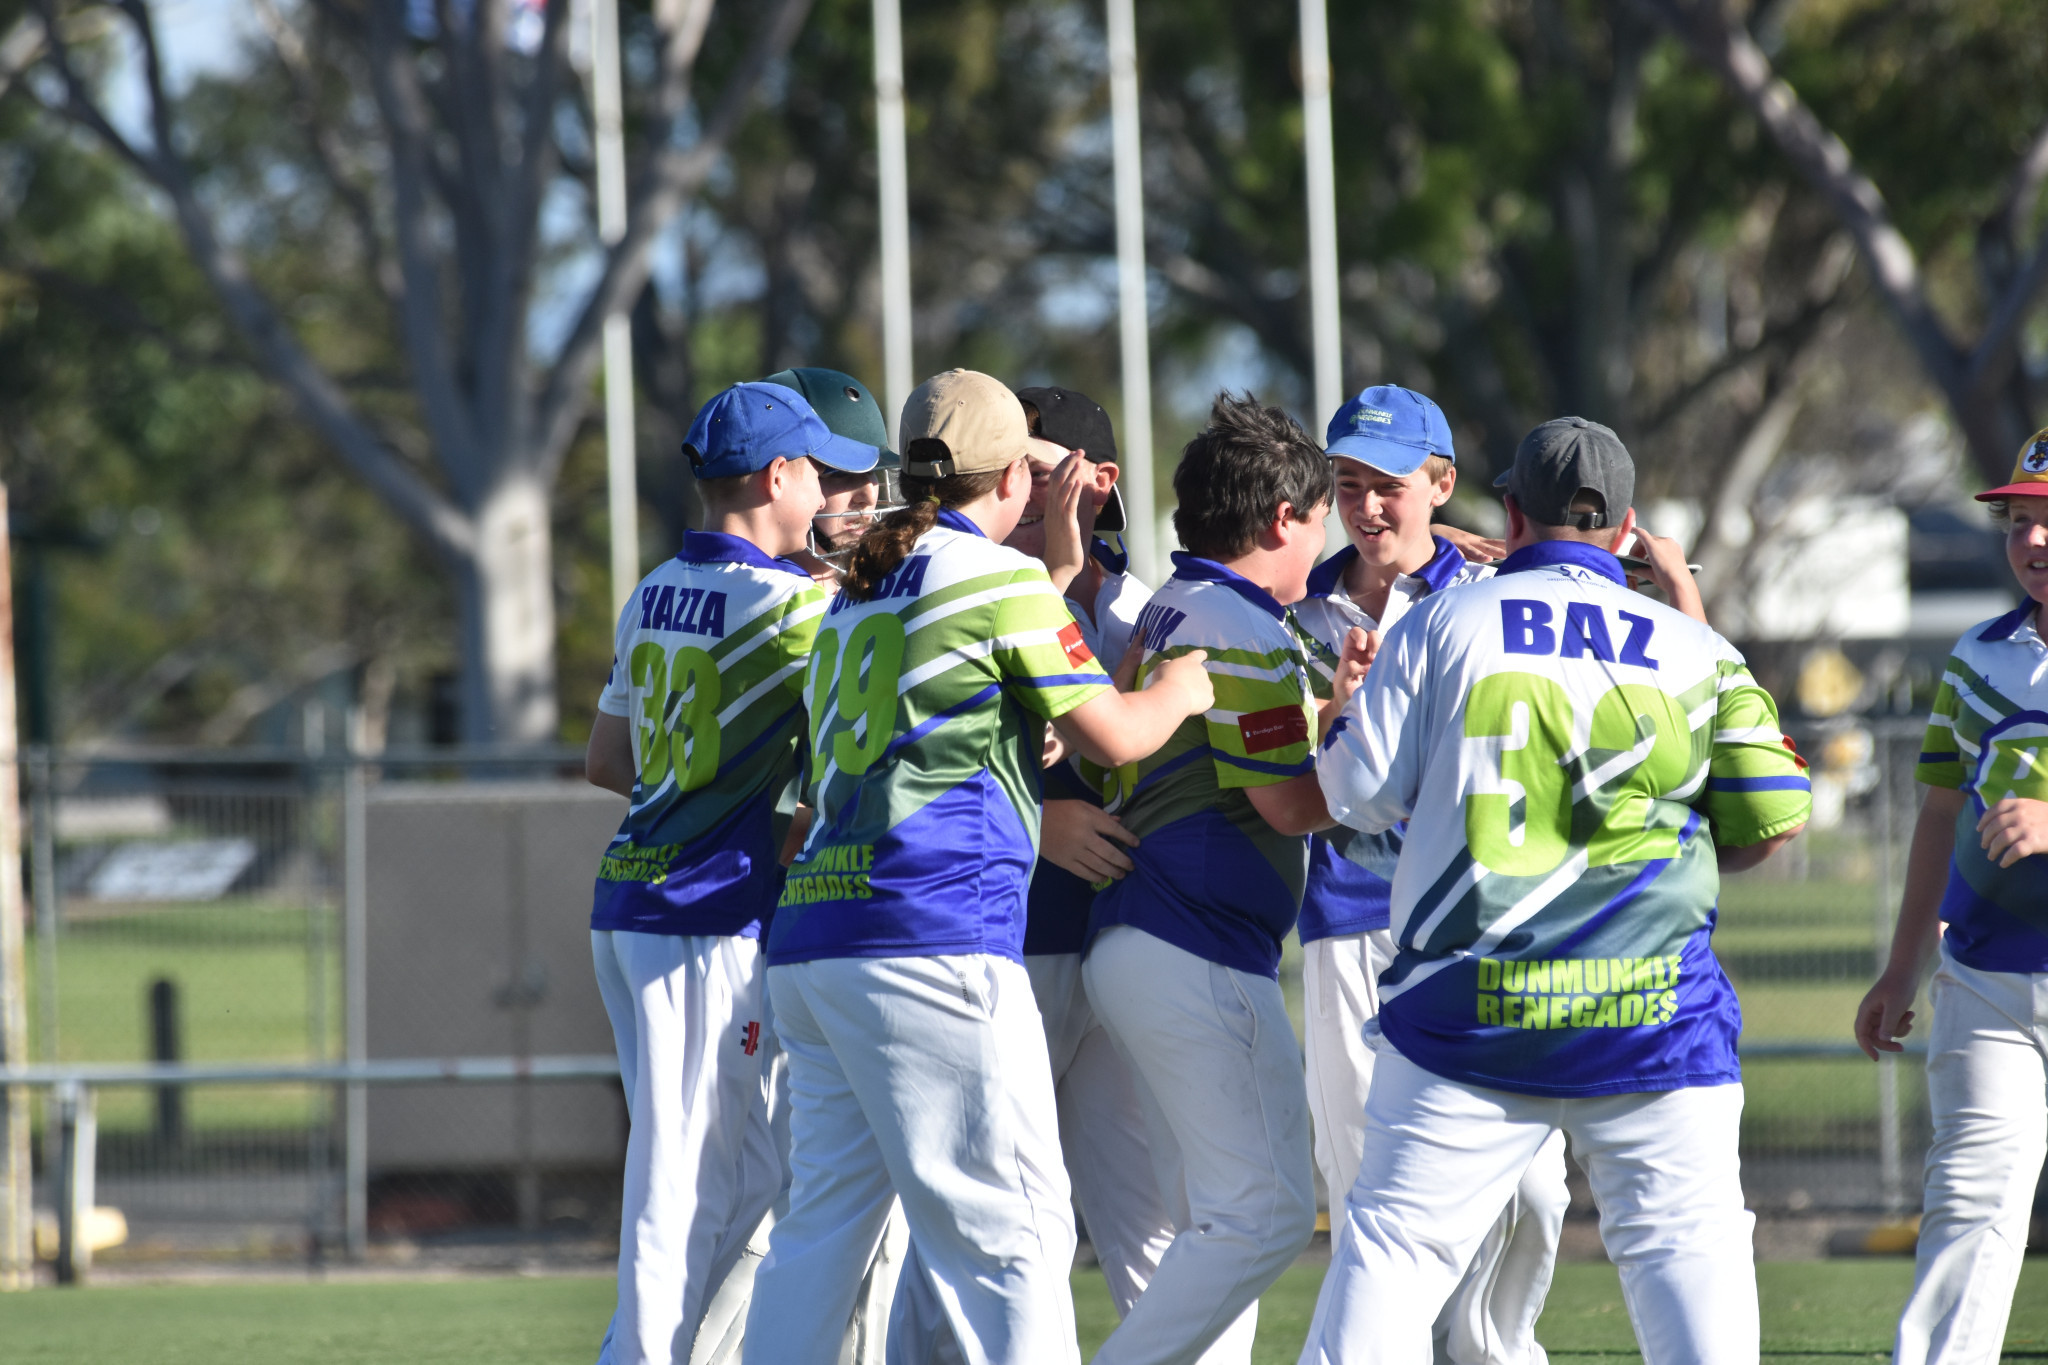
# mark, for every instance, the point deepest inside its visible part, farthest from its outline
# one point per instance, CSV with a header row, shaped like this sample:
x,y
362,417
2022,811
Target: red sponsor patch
x,y
1796,758
1077,649
1274,729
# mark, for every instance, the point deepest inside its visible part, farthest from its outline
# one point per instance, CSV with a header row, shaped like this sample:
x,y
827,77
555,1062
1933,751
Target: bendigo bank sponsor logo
x,y
836,872
1588,992
1077,649
1275,728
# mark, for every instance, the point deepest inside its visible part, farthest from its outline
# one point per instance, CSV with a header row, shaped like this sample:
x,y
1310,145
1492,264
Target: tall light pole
x,y
894,173
1319,148
1133,311
621,476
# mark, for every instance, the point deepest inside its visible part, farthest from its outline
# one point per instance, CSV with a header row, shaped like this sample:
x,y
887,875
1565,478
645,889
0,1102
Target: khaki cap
x,y
961,422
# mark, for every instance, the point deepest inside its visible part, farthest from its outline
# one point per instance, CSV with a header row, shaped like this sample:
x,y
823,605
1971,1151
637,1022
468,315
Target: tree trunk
x,y
507,604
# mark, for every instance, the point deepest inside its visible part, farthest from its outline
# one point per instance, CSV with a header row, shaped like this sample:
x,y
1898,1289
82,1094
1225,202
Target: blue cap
x,y
1390,428
749,426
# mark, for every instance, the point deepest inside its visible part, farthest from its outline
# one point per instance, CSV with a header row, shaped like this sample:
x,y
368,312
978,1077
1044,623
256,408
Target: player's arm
x,y
1672,574
608,762
1295,806
1114,728
1370,765
1742,857
1886,1013
1477,548
1757,796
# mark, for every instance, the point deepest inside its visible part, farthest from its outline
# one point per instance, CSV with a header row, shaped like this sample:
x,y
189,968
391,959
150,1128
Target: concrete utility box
x,y
479,944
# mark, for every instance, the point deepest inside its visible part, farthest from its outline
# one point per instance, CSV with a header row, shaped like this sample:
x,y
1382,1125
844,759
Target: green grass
x,y
1811,1311
244,977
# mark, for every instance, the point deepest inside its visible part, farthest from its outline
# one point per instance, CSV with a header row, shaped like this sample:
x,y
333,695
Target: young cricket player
x,y
1395,464
917,1060
1577,763
852,499
1183,955
1977,880
699,729
1102,1132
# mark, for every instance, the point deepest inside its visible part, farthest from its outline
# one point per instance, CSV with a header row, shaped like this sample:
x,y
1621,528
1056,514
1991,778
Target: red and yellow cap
x,y
2029,471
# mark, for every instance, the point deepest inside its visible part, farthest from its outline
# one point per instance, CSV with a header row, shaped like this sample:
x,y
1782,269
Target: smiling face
x,y
2026,543
1387,516
1044,457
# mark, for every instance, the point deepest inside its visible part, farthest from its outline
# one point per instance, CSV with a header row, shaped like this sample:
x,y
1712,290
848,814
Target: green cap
x,y
846,407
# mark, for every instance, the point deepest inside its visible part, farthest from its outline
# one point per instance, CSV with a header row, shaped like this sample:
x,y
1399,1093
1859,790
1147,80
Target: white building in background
x,y
1829,568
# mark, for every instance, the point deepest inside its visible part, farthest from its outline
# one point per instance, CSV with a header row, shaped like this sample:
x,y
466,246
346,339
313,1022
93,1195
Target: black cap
x,y
845,406
1562,458
1069,418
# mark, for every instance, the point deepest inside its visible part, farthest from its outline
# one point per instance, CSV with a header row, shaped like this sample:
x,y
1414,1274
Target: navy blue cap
x,y
1390,428
749,426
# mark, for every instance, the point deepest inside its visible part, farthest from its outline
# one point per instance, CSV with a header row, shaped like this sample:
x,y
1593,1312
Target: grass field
x,y
1812,1312
1821,1310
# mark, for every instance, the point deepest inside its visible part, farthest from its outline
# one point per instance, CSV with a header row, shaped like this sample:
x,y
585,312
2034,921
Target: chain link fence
x,y
196,907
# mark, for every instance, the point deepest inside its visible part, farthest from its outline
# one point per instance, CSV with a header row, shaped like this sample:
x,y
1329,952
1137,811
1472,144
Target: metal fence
x,y
211,909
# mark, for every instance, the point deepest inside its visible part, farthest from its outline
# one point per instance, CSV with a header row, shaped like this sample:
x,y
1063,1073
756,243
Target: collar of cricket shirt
x,y
2016,623
1550,554
1195,569
952,520
716,547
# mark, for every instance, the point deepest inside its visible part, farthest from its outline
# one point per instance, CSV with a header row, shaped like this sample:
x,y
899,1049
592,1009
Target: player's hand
x,y
2015,828
1066,547
1354,657
1083,838
1475,547
1886,1014
1055,751
1187,674
1126,675
1671,574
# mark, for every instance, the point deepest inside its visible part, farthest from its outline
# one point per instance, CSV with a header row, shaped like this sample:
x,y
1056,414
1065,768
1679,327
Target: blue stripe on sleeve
x,y
1061,680
1307,765
1950,757
1758,784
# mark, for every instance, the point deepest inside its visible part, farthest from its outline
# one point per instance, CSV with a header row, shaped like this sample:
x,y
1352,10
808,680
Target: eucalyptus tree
x,y
441,152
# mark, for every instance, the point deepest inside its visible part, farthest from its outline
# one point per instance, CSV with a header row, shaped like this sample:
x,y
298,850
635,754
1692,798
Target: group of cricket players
x,y
951,897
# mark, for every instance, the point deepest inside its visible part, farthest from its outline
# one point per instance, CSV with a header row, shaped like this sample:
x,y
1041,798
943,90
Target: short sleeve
x,y
1037,647
1262,728
1941,758
796,632
617,697
1757,786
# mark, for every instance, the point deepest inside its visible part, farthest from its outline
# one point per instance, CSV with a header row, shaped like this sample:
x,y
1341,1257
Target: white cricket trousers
x,y
1442,1158
1109,1163
924,1078
1226,1117
721,1335
701,1166
1102,1132
1490,1319
1987,1083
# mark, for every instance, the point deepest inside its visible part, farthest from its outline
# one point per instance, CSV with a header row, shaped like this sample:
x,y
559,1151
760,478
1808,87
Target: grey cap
x,y
1559,459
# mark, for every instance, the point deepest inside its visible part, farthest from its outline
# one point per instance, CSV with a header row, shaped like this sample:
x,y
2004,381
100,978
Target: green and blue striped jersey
x,y
928,706
1211,876
1988,736
1568,754
707,669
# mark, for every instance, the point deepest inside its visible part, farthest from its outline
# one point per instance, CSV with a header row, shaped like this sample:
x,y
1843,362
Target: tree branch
x,y
272,345
671,174
1706,28
399,101
327,151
